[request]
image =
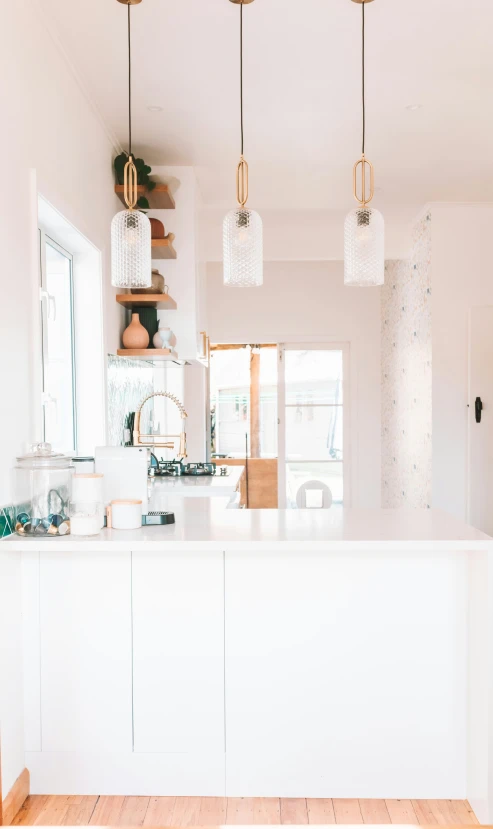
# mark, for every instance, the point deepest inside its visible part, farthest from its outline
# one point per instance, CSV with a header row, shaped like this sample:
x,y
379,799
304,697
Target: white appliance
x,y
125,473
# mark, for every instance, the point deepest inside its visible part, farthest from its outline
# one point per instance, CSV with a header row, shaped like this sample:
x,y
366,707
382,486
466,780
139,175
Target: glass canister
x,y
42,489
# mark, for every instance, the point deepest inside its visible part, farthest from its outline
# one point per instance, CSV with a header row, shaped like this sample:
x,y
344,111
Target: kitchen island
x,y
302,653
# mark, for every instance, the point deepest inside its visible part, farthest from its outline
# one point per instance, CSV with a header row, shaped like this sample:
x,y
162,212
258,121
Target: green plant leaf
x,y
143,203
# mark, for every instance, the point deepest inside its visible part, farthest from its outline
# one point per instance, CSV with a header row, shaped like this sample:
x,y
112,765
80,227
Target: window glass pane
x,y
230,401
329,474
313,376
314,433
58,363
268,402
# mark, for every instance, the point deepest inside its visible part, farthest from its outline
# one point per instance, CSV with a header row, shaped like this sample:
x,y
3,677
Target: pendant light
x,y
364,230
242,227
131,258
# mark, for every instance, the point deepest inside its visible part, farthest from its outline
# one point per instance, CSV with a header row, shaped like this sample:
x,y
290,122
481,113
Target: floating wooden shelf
x,y
163,248
152,354
159,199
163,301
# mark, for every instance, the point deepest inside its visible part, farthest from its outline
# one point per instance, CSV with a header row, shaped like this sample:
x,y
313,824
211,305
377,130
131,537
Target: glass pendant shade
x,y
131,257
243,248
364,257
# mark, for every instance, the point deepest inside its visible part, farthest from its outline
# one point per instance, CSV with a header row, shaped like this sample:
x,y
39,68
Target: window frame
x,y
282,461
44,303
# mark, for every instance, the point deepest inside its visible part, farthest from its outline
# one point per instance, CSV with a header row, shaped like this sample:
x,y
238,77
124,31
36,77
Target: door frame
x,y
281,409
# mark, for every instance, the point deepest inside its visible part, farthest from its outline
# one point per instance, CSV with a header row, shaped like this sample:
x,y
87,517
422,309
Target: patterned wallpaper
x,y
406,376
129,381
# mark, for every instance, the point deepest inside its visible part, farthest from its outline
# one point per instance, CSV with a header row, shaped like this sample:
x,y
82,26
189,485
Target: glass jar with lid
x,y
42,490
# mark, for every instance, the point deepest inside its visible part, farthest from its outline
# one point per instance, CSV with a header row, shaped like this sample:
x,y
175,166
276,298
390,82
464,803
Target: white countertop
x,y
199,486
205,523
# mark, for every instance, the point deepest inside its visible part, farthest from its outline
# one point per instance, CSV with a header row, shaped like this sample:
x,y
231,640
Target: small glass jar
x,y
42,488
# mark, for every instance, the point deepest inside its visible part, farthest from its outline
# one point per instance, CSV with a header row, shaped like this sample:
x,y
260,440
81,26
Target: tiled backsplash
x,y
407,376
129,382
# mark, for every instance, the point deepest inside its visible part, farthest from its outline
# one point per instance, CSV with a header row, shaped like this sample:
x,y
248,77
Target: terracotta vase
x,y
135,336
157,229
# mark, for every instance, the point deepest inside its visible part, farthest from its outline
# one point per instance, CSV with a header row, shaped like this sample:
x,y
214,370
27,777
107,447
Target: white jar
x,y
86,517
125,515
88,489
83,465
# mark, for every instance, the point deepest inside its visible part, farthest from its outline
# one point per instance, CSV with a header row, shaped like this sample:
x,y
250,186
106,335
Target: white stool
x,y
314,495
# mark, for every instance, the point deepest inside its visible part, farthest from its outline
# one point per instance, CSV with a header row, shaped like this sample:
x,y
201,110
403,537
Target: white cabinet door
x,y
325,659
178,639
480,473
86,651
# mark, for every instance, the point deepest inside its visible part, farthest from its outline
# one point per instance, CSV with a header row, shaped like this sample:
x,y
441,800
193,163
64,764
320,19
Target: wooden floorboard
x,y
160,811
267,811
320,810
77,810
240,810
107,811
347,811
294,811
186,811
401,811
374,811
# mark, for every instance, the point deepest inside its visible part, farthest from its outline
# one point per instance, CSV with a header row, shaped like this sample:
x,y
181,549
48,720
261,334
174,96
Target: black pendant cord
x,y
129,86
363,75
241,77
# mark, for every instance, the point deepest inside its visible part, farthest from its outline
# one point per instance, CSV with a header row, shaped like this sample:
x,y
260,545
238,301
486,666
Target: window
x,y
58,363
313,428
238,375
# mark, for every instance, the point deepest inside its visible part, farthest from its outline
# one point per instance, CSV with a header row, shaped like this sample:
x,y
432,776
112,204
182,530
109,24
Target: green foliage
x,y
143,172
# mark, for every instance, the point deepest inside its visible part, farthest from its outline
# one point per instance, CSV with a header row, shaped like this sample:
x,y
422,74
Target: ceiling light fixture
x,y
131,258
364,229
414,107
155,109
242,227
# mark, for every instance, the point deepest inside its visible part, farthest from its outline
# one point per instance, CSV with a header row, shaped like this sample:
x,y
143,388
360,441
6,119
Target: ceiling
x,y
302,93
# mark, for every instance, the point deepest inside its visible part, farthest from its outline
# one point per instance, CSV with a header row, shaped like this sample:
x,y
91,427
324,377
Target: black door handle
x,y
479,409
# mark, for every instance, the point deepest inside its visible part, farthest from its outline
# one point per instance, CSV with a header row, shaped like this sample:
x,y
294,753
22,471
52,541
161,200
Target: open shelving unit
x,y
160,301
159,199
163,248
152,355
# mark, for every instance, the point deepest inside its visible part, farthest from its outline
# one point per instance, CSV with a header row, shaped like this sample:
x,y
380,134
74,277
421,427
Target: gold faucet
x,y
140,440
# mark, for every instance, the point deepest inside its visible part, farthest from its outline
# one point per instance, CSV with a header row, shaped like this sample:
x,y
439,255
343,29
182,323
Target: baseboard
x,y
14,800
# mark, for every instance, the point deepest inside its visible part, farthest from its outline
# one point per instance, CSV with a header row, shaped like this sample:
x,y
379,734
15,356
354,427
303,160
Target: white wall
x,y
462,277
303,301
49,128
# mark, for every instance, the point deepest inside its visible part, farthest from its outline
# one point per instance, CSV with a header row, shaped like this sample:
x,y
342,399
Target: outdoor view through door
x,y
311,417
283,402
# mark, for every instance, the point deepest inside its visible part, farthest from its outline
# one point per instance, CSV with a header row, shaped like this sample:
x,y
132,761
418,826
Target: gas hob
x,y
177,469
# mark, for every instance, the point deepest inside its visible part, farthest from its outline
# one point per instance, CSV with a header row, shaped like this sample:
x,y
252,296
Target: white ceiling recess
x,y
302,93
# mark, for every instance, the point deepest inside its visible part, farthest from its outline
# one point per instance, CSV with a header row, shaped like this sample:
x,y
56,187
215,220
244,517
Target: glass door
x,y
313,429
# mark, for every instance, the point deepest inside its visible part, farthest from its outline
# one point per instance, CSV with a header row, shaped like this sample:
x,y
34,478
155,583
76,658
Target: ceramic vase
x,y
135,336
162,338
157,286
157,229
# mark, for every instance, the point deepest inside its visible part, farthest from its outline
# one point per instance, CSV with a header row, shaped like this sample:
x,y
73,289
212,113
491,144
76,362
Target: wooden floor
x,y
50,810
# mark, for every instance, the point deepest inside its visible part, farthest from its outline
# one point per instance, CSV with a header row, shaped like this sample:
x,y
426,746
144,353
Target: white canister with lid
x,y
125,515
88,489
